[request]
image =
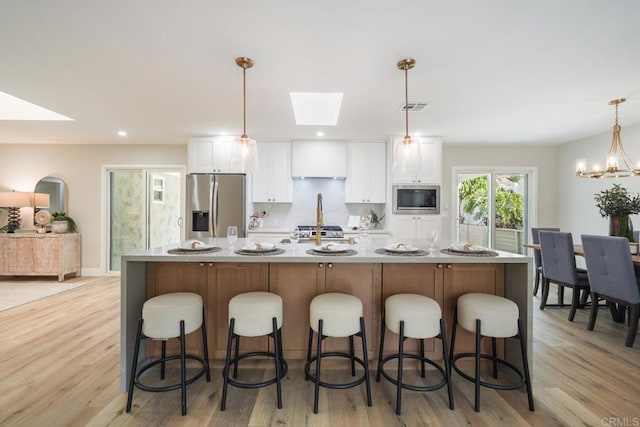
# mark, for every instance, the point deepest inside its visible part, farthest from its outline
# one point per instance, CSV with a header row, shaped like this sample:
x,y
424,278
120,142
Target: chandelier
x,y
406,152
617,164
244,152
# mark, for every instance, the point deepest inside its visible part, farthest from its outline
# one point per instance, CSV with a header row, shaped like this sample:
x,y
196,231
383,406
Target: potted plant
x,y
375,219
61,223
617,204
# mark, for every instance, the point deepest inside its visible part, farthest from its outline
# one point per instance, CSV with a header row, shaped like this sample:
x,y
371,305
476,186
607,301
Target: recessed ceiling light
x,y
313,108
12,108
320,133
122,133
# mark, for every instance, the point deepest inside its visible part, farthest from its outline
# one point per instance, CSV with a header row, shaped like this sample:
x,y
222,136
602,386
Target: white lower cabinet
x,y
414,227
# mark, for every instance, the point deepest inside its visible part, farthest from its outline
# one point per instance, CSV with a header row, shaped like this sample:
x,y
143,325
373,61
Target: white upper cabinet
x,y
319,159
431,170
273,183
366,172
210,155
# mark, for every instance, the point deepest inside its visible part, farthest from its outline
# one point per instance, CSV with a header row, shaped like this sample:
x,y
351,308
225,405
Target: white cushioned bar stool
x,y
167,316
254,314
336,315
493,316
419,317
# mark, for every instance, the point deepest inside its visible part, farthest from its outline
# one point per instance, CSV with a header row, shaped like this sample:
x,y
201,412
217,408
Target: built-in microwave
x,y
416,199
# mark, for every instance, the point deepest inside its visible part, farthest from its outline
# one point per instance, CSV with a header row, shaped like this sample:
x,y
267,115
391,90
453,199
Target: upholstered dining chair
x,y
559,267
612,277
537,258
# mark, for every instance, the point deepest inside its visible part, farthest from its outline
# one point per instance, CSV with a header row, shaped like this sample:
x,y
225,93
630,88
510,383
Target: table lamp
x,y
14,200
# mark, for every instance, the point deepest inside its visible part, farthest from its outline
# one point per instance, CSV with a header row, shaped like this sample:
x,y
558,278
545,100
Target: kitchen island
x,y
298,276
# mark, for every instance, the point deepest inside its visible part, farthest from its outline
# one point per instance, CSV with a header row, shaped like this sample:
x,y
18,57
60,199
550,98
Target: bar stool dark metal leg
x,y
134,367
206,348
525,365
447,365
225,370
163,356
400,366
422,371
183,369
237,352
494,362
319,357
278,354
352,353
307,377
477,382
383,329
365,359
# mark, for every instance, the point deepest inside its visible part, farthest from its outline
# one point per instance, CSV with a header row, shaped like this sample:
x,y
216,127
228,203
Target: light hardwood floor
x,y
60,356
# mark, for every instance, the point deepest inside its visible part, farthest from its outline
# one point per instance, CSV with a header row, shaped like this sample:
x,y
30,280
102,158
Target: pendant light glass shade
x,y
244,151
407,159
617,164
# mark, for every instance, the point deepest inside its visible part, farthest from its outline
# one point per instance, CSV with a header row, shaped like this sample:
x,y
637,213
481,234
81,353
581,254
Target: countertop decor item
x,y
617,204
617,163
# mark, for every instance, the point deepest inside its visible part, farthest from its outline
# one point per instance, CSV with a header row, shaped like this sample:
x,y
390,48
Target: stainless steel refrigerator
x,y
215,202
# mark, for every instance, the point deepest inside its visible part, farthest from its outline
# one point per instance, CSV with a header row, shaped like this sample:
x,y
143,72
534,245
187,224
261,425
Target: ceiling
x,y
492,71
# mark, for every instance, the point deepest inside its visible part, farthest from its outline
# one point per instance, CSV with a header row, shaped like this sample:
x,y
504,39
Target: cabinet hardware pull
x,y
210,264
320,265
330,265
449,266
440,265
202,264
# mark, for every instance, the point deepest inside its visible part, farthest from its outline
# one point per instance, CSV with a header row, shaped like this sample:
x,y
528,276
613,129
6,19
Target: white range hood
x,y
319,159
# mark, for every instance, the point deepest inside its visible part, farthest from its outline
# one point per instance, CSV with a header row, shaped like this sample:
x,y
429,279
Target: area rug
x,y
18,291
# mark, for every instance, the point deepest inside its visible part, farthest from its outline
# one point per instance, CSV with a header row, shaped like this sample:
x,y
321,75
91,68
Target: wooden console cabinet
x,y
40,254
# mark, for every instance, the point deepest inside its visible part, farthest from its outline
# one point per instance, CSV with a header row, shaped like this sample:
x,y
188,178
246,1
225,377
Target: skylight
x,y
12,108
316,109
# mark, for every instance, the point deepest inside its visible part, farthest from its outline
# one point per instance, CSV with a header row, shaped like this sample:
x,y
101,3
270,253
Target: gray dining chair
x,y
559,267
537,258
612,278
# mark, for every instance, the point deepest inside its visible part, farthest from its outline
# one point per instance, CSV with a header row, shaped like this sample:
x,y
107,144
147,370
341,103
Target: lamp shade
x,y
14,199
41,200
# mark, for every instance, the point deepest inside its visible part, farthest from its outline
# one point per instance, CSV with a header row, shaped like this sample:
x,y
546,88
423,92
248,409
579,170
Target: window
x,y
158,189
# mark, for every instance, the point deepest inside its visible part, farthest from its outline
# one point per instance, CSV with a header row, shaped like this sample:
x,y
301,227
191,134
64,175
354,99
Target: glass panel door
x,y
144,211
493,209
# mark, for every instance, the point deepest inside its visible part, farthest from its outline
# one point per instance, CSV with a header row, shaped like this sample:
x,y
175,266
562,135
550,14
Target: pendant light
x,y
618,164
406,151
244,153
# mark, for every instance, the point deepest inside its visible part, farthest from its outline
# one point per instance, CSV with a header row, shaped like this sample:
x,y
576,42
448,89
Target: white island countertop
x,y
297,253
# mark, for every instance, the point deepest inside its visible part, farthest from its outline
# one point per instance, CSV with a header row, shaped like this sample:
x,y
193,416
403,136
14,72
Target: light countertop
x,y
298,253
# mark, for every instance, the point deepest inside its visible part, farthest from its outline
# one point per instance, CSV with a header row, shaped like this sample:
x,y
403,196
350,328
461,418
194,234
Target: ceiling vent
x,y
413,106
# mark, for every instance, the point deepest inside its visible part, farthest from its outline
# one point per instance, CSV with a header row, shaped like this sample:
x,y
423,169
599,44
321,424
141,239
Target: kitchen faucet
x,y
319,220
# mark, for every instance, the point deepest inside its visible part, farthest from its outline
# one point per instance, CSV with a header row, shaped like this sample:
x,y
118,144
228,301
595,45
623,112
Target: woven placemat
x,y
383,251
477,254
278,251
348,252
180,251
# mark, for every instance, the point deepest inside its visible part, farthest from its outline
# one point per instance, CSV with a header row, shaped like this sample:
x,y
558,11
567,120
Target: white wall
x,y
576,208
22,166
